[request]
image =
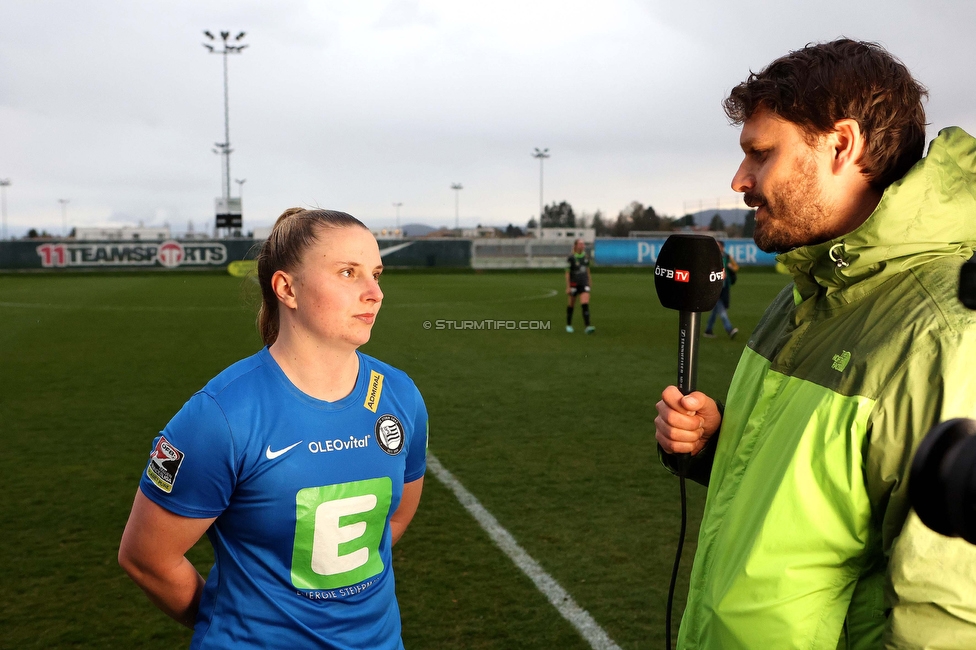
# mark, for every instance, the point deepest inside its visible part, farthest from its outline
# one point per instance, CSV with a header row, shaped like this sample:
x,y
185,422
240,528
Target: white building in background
x,y
473,233
588,235
122,234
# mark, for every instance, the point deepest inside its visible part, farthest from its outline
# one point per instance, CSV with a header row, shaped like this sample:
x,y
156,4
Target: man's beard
x,y
794,215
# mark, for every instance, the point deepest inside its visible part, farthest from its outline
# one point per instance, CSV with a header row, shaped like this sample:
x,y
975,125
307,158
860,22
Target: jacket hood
x,y
927,214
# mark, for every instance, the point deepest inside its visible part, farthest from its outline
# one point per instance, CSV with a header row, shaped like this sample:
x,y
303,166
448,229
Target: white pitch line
x,y
559,597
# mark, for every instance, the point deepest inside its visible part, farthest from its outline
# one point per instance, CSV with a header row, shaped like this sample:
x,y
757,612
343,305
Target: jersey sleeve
x,y
416,463
191,469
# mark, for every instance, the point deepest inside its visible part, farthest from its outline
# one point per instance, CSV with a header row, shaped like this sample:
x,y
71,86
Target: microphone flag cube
x,y
689,273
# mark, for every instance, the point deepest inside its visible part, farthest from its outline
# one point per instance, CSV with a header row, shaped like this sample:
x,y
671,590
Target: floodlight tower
x,y
541,155
64,214
4,182
229,47
397,206
457,187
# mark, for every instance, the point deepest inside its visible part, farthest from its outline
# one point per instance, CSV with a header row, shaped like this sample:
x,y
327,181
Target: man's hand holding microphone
x,y
685,423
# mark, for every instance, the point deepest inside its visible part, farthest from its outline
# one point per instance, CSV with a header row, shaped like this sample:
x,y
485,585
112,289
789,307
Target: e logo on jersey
x,y
389,434
338,530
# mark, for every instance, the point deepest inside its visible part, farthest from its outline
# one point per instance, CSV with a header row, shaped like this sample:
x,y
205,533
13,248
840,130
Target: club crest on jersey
x,y
389,434
164,464
373,391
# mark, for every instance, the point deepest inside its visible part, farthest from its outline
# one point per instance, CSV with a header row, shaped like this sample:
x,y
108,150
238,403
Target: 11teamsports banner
x,y
94,255
193,254
643,252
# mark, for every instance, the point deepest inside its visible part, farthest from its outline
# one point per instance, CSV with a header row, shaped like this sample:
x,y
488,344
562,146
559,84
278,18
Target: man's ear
x,y
847,145
283,284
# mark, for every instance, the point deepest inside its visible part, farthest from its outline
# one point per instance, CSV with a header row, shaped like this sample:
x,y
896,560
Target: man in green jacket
x,y
808,539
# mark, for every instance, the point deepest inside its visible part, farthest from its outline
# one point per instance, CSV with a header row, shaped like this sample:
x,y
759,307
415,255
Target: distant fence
x,y
194,254
643,252
69,254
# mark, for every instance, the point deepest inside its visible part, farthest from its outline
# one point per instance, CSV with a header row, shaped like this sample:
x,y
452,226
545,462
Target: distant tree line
x,y
635,217
44,234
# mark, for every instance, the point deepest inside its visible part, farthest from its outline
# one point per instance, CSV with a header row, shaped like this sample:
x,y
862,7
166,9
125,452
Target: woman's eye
x,y
346,273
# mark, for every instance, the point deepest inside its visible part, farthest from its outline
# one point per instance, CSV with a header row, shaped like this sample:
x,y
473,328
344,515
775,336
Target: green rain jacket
x,y
808,539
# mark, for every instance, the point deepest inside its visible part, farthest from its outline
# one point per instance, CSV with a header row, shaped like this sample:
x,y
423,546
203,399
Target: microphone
x,y
688,277
942,483
967,283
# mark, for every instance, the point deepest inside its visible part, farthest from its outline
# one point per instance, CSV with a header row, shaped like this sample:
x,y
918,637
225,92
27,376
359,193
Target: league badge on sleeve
x,y
164,463
389,434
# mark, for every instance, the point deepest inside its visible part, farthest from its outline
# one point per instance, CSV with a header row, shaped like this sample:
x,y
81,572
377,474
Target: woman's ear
x,y
283,284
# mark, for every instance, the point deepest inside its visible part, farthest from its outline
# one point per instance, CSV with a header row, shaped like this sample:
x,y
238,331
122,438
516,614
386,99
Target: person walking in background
x,y
578,284
722,306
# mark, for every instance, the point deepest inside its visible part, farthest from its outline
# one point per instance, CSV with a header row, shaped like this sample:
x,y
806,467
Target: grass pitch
x,y
553,432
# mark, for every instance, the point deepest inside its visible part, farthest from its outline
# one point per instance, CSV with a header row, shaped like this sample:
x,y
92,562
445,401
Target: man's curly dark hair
x,y
823,83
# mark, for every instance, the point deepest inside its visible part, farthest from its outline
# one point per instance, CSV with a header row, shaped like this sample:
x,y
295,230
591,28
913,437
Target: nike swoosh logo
x,y
392,249
274,454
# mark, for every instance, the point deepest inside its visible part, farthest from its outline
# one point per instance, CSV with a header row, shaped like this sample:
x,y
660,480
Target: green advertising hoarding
x,y
194,254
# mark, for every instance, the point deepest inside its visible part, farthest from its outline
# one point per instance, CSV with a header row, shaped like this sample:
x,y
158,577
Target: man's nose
x,y
743,181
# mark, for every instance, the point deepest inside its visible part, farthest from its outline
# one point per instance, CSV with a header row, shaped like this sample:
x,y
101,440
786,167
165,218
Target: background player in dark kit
x,y
808,538
303,464
578,284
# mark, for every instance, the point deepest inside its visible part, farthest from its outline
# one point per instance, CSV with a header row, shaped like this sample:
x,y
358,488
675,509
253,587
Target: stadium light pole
x,y
240,188
397,206
457,187
64,214
224,147
4,183
541,155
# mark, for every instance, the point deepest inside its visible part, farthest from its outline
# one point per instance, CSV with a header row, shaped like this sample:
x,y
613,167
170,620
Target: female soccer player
x,y
578,284
303,464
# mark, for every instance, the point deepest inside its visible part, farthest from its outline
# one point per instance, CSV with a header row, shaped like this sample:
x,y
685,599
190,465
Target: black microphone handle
x,y
689,326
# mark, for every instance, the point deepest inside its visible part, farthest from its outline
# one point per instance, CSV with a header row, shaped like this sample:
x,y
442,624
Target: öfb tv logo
x,y
673,274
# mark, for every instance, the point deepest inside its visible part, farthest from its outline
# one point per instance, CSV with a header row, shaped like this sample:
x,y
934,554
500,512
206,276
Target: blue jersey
x,y
302,491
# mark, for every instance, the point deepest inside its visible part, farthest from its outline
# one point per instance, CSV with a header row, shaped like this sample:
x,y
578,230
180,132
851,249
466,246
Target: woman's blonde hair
x,y
294,232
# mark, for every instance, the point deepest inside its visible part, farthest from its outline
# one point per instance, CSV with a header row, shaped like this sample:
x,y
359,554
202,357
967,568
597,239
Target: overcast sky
x,y
357,104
